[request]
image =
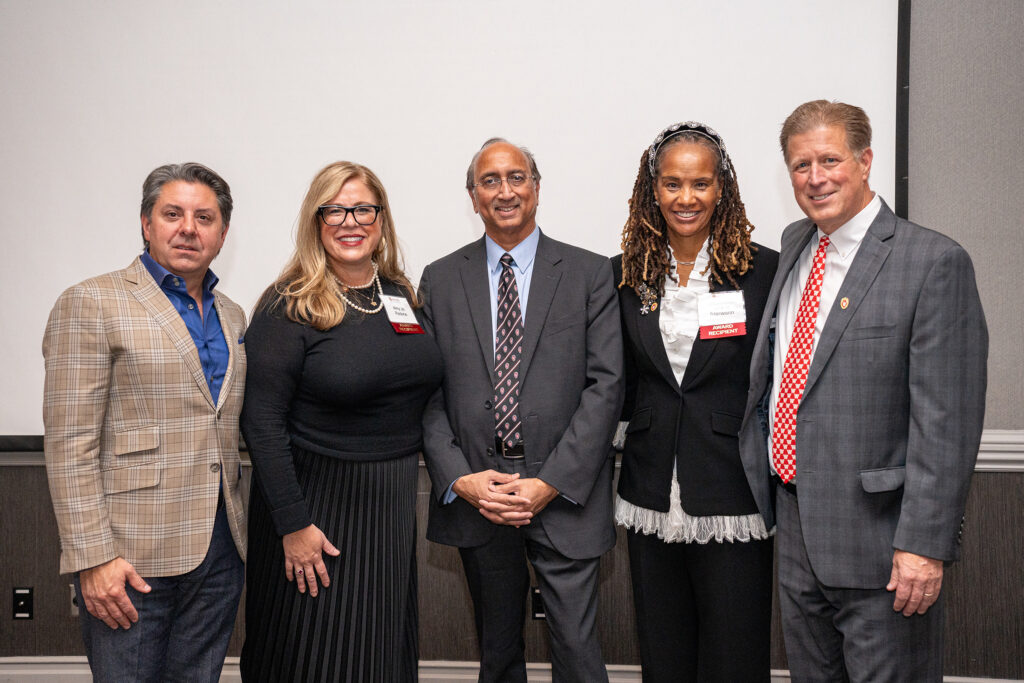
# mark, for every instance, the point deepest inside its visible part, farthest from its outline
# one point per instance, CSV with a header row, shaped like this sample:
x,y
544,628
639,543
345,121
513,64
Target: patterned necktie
x,y
794,370
508,352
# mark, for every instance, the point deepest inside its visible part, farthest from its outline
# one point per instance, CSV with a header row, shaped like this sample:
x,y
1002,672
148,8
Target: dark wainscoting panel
x,y
28,557
984,592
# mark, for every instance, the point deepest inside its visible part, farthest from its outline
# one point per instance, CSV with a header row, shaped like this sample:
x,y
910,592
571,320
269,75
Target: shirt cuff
x,y
449,494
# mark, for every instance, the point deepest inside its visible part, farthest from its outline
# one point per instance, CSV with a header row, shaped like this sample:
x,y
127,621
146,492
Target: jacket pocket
x,y
556,325
138,439
725,423
641,420
139,476
883,479
869,332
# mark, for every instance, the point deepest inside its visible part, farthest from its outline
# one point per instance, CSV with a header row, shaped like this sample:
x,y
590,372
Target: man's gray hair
x,y
189,172
471,171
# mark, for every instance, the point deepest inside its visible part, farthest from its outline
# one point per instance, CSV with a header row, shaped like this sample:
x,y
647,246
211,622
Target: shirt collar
x,y
522,254
160,274
848,235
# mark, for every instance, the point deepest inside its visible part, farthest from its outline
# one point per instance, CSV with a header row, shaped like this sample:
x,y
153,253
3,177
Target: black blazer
x,y
696,421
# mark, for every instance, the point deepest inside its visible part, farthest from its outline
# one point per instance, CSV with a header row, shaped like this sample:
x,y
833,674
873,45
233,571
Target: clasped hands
x,y
505,499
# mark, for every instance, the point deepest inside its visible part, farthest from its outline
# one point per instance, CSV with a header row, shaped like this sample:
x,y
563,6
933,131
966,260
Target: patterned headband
x,y
686,127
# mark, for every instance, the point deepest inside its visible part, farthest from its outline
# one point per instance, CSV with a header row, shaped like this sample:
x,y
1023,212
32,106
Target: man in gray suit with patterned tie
x,y
865,413
518,439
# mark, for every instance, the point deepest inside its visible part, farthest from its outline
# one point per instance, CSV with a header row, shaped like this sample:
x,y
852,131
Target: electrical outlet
x,y
23,607
74,600
537,604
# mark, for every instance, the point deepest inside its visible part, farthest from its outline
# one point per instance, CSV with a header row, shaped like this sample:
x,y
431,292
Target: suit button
x,y
490,451
488,404
215,467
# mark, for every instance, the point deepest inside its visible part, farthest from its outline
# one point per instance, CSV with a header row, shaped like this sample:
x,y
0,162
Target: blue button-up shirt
x,y
206,331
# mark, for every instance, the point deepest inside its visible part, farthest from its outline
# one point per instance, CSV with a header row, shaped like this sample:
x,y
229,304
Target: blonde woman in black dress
x,y
332,420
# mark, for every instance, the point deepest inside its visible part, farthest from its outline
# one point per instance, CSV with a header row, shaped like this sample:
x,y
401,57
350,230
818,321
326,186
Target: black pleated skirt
x,y
364,626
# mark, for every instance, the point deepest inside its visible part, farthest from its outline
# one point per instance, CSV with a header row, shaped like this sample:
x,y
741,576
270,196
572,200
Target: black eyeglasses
x,y
492,183
335,214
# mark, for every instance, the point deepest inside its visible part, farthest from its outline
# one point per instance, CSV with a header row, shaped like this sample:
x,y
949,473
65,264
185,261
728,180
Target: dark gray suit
x,y
570,399
888,428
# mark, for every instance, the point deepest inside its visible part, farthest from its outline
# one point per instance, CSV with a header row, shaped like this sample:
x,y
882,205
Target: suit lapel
x,y
474,283
701,353
231,340
649,329
153,299
871,255
761,362
543,283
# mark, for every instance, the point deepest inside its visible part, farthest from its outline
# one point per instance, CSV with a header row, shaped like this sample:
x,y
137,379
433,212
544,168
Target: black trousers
x,y
499,581
703,610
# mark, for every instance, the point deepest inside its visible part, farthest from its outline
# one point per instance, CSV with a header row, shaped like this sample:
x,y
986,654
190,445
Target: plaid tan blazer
x,y
135,447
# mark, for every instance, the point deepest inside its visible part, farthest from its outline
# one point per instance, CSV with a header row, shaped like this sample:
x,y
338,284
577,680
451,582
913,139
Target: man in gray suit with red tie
x,y
518,439
865,413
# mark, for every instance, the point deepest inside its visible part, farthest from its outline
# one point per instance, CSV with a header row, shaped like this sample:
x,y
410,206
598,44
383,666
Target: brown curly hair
x,y
646,255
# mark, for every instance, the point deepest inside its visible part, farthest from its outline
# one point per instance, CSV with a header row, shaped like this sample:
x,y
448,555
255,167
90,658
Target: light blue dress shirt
x,y
522,266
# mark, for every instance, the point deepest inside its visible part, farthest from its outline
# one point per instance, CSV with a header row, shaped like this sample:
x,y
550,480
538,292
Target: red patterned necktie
x,y
508,352
794,370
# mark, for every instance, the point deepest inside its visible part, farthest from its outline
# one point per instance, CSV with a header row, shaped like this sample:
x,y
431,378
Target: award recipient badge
x,y
721,314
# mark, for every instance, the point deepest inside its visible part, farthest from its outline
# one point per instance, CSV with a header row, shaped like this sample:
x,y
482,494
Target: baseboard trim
x,y
76,670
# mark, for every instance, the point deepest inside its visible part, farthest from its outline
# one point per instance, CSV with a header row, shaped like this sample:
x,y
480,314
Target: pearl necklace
x,y
380,291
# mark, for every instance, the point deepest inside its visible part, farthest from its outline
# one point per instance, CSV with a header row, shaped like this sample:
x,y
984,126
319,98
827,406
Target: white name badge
x,y
400,314
721,314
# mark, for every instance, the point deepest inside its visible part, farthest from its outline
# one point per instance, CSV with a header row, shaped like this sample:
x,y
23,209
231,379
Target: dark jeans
x,y
184,624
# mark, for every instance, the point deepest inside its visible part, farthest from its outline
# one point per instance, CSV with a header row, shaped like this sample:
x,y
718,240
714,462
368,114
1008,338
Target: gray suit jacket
x,y
570,398
890,422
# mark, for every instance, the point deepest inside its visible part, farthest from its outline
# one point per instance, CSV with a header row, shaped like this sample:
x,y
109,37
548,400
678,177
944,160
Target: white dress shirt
x,y
844,243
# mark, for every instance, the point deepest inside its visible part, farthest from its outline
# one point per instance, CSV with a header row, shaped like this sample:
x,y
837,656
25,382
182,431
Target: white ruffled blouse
x,y
679,329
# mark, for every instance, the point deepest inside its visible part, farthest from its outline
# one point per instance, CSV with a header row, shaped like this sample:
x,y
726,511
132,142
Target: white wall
x,y
97,94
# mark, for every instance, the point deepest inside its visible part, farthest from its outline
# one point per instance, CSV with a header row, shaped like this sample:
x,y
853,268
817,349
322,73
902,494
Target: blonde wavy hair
x,y
306,285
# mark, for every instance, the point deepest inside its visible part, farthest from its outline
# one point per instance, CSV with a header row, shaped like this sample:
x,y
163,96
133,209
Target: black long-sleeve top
x,y
356,392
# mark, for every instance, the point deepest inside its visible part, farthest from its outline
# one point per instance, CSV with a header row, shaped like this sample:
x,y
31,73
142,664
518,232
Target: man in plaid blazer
x,y
145,373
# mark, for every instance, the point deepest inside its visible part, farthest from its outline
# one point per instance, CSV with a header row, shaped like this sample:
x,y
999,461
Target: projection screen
x,y
95,95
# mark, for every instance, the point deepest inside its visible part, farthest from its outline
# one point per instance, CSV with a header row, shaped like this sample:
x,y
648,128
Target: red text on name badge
x,y
723,330
407,328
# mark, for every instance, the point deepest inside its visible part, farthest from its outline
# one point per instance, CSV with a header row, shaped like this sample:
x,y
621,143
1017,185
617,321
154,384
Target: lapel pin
x,y
844,302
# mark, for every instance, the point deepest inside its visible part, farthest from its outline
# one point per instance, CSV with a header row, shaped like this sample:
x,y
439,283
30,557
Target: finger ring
x,y
928,595
299,572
